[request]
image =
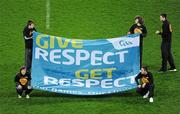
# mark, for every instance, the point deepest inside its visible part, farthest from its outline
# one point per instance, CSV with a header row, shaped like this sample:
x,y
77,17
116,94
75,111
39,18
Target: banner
x,y
85,67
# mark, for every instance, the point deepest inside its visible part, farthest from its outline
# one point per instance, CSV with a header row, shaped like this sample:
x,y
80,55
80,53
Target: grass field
x,y
88,19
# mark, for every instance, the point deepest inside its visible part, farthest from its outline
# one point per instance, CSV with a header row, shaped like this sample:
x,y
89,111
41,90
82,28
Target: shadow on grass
x,y
46,98
36,93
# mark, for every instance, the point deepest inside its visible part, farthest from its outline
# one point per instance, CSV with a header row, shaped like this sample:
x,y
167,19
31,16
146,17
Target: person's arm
x,y
159,32
29,79
34,29
27,34
31,32
16,79
137,78
28,76
150,78
131,30
144,32
167,28
170,28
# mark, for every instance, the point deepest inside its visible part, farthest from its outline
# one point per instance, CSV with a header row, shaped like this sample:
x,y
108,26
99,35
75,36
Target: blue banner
x,y
85,67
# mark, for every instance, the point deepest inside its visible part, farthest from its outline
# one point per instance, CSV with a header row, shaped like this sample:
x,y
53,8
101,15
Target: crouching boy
x,y
22,80
145,84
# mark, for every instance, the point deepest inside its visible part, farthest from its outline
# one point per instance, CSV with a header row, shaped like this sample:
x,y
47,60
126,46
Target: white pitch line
x,y
47,14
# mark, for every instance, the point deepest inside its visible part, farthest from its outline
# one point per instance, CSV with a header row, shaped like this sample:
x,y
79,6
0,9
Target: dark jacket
x,y
23,80
27,34
166,32
141,78
142,28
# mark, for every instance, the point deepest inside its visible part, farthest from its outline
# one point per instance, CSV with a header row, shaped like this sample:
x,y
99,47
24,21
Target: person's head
x,y
144,70
30,24
163,17
23,70
139,20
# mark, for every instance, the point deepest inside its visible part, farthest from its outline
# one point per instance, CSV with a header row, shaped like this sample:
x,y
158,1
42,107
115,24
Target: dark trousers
x,y
28,58
166,55
148,87
141,51
24,89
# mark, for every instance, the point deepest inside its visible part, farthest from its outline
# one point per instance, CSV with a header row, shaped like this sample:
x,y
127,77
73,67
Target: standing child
x,y
27,34
140,28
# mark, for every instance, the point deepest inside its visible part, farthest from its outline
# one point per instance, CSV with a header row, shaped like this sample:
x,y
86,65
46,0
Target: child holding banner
x,y
27,33
145,84
139,27
22,80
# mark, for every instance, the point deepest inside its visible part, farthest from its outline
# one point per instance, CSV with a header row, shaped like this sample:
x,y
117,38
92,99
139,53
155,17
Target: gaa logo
x,y
125,43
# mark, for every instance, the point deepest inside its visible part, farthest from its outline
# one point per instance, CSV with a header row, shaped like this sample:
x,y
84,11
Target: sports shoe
x,y
172,69
161,71
151,100
27,96
146,95
19,96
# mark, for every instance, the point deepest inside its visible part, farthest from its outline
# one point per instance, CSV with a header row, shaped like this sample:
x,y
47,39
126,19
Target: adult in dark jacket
x,y
166,54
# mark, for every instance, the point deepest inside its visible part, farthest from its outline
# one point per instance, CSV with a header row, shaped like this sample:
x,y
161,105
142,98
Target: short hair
x,y
164,15
145,68
30,22
140,19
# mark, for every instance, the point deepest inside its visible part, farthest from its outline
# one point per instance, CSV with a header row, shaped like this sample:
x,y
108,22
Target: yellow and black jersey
x,y
22,79
144,79
27,34
138,29
141,78
166,31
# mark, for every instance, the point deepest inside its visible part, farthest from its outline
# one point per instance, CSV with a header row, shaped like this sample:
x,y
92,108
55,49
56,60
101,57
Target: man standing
x,y
166,34
27,33
139,27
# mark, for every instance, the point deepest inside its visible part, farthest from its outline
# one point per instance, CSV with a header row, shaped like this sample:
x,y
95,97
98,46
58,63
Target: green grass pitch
x,y
88,19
